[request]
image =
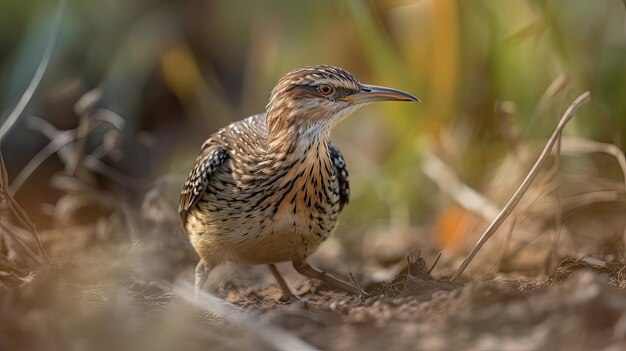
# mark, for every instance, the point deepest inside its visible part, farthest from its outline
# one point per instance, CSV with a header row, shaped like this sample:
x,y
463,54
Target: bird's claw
x,y
363,295
291,298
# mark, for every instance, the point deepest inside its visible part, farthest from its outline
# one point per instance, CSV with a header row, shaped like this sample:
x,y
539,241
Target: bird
x,y
269,188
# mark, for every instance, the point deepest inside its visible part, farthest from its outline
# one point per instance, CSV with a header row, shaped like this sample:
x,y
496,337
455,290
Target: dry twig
x,y
60,139
558,84
440,173
558,220
510,206
41,69
582,145
278,338
11,208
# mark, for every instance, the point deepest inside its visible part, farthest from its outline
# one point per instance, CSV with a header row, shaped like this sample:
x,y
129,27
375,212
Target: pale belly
x,y
282,216
260,238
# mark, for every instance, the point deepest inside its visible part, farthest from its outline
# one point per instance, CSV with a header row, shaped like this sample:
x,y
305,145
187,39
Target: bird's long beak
x,y
371,93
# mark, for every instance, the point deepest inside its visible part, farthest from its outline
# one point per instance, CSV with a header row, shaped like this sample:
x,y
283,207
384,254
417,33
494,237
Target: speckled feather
x,y
269,188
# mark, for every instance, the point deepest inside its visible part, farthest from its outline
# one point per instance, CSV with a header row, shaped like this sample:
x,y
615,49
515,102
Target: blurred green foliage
x,y
178,70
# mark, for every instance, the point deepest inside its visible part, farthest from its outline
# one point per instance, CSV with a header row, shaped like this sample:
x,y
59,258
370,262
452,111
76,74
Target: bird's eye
x,y
325,89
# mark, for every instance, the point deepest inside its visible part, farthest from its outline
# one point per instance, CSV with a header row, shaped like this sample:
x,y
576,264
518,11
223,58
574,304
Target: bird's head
x,y
312,100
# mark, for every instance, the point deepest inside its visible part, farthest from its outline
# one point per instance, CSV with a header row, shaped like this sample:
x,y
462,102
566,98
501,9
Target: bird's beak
x,y
371,93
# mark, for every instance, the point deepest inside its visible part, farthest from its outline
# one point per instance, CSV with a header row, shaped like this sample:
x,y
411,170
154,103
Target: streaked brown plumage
x,y
268,189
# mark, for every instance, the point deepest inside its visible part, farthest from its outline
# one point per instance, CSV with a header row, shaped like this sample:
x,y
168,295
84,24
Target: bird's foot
x,y
291,298
287,296
201,274
362,294
305,269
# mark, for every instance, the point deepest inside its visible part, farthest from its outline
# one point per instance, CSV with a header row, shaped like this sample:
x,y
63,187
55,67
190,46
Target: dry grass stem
x,y
558,216
440,173
62,138
435,263
578,145
507,241
557,85
13,209
13,234
41,69
510,206
276,337
52,148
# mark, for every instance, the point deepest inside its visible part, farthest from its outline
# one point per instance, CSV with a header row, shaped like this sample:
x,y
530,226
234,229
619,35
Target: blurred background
x,y
133,88
160,76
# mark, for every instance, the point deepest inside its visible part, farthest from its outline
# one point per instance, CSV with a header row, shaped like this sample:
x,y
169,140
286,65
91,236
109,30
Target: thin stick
x,y
53,147
554,88
507,241
17,211
582,145
278,338
434,263
440,173
510,206
558,216
362,294
41,69
4,227
62,138
84,108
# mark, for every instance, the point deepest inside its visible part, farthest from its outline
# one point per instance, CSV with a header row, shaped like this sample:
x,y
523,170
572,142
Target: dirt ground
x,y
138,298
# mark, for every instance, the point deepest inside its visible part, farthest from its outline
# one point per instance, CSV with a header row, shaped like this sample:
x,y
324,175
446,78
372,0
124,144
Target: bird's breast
x,y
263,216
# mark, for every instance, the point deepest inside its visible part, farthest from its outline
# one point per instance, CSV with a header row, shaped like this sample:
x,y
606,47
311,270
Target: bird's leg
x,y
287,294
305,269
202,273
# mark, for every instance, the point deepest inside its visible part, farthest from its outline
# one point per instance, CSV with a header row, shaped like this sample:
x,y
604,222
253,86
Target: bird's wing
x,y
342,175
211,157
